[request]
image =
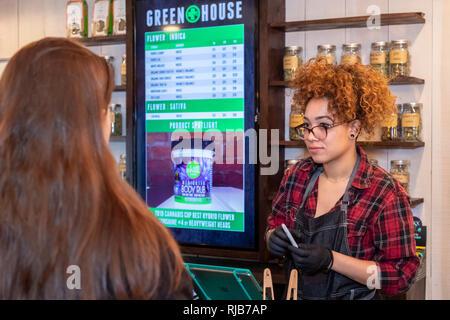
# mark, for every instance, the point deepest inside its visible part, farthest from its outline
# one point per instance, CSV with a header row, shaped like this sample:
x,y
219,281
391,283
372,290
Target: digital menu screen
x,y
195,64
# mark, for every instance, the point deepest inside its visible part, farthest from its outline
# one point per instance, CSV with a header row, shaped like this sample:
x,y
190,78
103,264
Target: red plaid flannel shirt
x,y
380,221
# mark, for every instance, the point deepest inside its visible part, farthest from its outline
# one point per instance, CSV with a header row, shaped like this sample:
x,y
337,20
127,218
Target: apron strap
x,y
345,200
308,190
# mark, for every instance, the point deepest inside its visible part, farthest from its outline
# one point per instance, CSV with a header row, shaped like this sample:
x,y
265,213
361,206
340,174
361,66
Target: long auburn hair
x,y
62,201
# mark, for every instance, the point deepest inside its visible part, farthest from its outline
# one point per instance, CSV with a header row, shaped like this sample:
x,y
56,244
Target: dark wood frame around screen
x,y
271,44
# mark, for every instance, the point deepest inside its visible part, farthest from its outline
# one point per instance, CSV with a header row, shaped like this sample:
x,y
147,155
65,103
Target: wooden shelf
x,y
102,41
118,139
413,202
394,82
120,88
405,81
369,144
350,22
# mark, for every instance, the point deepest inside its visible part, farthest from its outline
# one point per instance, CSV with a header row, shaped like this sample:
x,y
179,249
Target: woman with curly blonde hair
x,y
351,220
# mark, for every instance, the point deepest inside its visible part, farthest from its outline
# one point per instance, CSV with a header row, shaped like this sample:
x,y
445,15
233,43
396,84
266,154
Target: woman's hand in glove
x,y
311,258
278,241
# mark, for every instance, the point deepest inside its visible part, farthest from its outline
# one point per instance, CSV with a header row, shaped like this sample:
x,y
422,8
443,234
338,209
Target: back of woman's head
x,y
62,201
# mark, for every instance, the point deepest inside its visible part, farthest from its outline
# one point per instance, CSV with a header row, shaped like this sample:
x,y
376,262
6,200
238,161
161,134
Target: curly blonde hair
x,y
354,91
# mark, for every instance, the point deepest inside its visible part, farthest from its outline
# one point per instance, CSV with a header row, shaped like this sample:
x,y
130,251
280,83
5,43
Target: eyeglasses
x,y
320,131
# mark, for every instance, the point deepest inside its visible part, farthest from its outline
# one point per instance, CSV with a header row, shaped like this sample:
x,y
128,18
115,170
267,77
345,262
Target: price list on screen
x,y
195,77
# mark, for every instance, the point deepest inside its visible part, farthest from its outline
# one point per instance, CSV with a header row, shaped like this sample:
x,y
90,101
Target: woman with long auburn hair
x,y
62,201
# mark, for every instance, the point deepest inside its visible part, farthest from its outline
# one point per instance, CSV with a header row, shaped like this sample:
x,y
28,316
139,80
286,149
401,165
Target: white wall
x,y
428,163
24,21
440,217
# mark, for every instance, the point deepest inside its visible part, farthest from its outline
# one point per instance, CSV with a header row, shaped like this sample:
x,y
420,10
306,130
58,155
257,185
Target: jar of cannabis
x,y
123,70
351,53
110,62
112,118
411,121
295,119
328,51
292,60
290,163
400,171
373,162
389,126
399,58
379,57
123,166
117,120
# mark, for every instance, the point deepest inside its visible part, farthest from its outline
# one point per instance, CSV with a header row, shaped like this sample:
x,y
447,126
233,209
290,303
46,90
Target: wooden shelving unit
x,y
101,41
349,22
368,144
394,82
406,81
120,88
118,139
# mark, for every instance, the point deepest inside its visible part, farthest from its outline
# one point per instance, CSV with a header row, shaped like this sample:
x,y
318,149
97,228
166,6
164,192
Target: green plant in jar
x,y
295,119
117,120
379,57
292,60
389,127
399,58
411,121
123,70
77,19
328,51
400,171
351,53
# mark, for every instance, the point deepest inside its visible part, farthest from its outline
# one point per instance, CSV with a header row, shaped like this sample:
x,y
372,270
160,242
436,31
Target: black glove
x,y
279,242
310,258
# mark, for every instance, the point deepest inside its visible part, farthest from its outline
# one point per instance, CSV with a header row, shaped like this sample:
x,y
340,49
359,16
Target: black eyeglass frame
x,y
311,130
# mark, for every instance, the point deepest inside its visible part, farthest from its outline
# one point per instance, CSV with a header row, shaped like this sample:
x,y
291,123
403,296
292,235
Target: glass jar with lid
x,y
373,162
400,171
411,121
328,51
399,59
292,60
295,119
117,131
112,117
351,53
290,163
379,57
389,126
123,70
123,166
110,62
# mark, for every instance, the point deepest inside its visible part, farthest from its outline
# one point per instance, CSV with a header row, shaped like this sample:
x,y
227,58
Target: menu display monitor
x,y
195,104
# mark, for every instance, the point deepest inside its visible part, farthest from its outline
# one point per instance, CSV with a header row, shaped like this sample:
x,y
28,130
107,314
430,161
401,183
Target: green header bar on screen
x,y
198,219
195,38
178,106
194,125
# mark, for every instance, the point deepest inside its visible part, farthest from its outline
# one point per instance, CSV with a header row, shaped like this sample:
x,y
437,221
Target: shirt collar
x,y
363,175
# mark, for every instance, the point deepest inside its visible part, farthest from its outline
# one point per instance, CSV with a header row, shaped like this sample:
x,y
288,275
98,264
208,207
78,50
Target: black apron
x,y
329,231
